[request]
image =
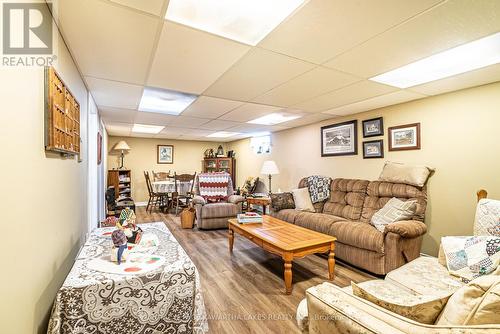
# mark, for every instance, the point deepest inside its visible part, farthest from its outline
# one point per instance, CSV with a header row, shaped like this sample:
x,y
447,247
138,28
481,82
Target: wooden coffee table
x,y
286,240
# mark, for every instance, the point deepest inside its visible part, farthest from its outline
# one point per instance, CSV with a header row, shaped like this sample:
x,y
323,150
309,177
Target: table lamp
x,y
122,146
269,167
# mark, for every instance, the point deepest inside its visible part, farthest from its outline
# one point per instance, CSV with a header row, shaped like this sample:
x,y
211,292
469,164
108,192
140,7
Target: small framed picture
x,y
165,154
373,127
339,139
373,149
404,137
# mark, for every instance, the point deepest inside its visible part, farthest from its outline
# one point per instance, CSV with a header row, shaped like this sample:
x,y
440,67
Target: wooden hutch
x,y
211,165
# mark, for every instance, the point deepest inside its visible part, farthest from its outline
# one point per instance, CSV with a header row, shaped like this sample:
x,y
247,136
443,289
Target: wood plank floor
x,y
244,292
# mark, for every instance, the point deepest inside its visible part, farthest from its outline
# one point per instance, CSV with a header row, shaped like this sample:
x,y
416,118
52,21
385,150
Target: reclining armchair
x,y
215,215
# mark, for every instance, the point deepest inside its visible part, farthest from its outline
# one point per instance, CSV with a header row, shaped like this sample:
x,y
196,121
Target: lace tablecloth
x,y
169,187
166,300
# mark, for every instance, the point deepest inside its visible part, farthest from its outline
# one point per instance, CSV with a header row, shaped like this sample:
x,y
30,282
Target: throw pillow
x,y
319,188
407,174
487,220
421,308
302,200
394,210
282,201
477,303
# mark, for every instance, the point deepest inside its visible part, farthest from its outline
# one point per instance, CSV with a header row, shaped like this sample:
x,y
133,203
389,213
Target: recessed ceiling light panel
x,y
246,21
467,57
143,128
274,118
223,134
164,101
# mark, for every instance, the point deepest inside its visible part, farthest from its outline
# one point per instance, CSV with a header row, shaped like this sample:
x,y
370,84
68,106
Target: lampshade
x,y
269,168
122,146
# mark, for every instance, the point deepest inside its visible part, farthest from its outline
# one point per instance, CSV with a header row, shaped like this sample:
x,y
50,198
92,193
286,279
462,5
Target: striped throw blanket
x,y
213,186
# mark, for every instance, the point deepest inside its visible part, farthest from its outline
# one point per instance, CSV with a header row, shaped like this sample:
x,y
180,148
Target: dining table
x,y
157,289
168,186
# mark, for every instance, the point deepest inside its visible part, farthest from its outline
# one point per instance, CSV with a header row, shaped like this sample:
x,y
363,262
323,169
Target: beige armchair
x,y
215,215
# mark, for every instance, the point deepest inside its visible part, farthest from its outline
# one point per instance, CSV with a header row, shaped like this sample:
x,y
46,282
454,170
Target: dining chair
x,y
181,194
161,176
155,198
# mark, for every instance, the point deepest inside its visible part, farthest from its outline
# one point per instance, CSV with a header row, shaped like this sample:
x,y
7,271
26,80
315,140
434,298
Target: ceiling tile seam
x,y
113,80
115,107
371,97
136,10
329,92
442,2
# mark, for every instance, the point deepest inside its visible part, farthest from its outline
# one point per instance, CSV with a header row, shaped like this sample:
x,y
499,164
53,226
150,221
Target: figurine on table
x,y
119,251
129,227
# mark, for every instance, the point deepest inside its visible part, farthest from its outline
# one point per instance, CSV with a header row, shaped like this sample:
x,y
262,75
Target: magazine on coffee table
x,y
249,218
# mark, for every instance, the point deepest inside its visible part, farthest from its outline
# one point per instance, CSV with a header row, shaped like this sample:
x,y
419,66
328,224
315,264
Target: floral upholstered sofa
x,y
330,309
347,214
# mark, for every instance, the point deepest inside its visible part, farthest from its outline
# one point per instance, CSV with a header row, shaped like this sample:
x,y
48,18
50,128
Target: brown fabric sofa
x,y
347,213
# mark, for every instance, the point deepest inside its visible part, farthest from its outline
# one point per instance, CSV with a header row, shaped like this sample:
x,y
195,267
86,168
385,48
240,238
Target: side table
x,y
262,201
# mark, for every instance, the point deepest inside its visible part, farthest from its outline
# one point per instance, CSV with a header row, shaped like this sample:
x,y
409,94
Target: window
x,y
261,144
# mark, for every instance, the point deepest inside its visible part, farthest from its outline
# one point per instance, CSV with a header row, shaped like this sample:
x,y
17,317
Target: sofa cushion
x,y
219,210
282,201
426,276
302,200
346,198
421,308
319,222
476,303
288,215
359,234
379,193
407,174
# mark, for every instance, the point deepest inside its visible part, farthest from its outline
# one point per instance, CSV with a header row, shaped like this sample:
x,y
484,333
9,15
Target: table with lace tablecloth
x,y
169,187
167,299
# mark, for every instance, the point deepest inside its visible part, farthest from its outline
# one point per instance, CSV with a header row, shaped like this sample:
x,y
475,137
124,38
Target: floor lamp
x,y
269,168
122,146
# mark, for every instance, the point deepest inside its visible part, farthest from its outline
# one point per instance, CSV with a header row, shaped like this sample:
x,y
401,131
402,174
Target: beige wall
x,y
460,138
43,198
188,156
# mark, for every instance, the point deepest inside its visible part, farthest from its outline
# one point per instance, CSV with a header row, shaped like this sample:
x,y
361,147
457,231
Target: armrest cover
x,y
199,200
407,228
235,199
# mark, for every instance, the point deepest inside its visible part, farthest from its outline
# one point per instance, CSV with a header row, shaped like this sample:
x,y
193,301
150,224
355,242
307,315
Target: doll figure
x,y
119,251
129,227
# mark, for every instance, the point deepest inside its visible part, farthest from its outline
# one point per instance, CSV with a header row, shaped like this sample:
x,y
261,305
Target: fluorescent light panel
x,y
246,21
165,101
143,128
467,57
274,118
223,134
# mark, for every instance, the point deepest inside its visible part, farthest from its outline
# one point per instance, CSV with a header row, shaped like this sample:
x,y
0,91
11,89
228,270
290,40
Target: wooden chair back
x,y
161,176
184,178
481,194
148,183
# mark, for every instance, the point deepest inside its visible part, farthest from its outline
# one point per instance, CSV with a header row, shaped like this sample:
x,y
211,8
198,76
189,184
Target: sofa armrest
x,y
407,228
334,310
197,199
235,199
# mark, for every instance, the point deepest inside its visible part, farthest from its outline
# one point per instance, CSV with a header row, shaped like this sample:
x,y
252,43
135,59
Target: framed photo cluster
x,y
342,138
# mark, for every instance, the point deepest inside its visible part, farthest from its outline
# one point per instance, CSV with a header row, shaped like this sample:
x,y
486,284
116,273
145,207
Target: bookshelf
x,y
120,179
62,116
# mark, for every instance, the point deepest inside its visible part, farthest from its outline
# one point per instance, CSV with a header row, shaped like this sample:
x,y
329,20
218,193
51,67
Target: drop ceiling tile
x,y
448,25
167,136
118,128
117,114
190,60
218,125
249,111
151,118
171,130
210,107
188,122
257,72
308,119
477,77
245,128
142,135
108,41
308,85
151,6
322,29
356,92
376,102
114,94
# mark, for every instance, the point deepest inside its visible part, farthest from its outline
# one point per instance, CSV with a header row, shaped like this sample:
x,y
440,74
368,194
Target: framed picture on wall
x,y
373,149
99,148
339,139
373,127
165,154
404,137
